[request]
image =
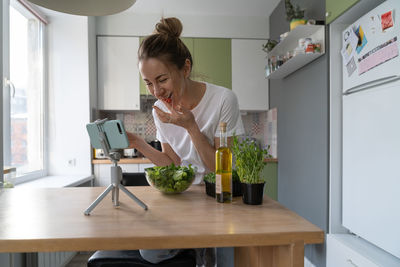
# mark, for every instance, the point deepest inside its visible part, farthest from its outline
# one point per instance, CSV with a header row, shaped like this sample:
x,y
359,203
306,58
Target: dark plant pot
x,y
253,193
210,189
236,187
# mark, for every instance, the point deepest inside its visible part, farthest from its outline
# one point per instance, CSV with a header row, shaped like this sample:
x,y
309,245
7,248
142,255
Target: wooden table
x,y
52,219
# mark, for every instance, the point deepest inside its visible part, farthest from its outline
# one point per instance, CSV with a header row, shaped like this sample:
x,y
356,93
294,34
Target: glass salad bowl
x,y
171,179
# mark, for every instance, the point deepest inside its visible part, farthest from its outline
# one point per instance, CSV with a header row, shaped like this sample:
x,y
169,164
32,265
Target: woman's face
x,y
164,82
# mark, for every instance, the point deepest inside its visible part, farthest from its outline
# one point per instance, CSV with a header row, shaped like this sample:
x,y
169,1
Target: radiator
x,y
49,259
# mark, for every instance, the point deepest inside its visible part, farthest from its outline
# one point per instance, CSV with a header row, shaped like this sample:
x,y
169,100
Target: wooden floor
x,y
80,259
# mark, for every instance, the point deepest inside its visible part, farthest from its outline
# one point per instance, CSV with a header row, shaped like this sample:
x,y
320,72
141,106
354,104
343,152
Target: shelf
x,y
293,64
316,32
291,41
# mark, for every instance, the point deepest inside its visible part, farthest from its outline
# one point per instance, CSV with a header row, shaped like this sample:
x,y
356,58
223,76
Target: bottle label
x,y
218,183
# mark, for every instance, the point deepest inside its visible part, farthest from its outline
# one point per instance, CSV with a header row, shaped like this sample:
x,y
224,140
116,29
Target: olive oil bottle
x,y
223,168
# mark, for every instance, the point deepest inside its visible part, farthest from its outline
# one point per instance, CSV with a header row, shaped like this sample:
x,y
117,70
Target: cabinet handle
x,y
352,263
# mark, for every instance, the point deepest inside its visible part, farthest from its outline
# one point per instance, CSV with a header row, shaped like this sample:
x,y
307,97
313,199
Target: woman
x,y
187,113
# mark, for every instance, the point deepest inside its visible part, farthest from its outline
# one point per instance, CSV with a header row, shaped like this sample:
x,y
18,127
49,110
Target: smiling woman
x,y
187,113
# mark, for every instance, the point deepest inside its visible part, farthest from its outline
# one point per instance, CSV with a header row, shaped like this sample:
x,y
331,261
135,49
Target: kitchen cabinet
x,y
102,172
349,251
212,61
335,8
248,76
315,32
118,73
270,175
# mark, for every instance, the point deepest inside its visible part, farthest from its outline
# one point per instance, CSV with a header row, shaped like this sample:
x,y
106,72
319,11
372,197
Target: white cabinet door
x,y
248,74
118,73
102,172
144,166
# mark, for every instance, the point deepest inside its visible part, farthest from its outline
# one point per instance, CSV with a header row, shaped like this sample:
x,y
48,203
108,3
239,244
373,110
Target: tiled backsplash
x,y
142,123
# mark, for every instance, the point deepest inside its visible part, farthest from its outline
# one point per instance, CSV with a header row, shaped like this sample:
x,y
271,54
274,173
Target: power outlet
x,y
72,162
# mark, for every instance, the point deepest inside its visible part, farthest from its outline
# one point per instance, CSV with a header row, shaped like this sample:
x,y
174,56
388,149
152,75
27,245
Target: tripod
x,y
116,175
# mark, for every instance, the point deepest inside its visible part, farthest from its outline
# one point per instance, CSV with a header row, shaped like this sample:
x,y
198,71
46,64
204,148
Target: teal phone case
x,y
115,133
93,132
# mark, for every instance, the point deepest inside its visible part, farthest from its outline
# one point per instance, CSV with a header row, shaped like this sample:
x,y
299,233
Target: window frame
x,y
27,11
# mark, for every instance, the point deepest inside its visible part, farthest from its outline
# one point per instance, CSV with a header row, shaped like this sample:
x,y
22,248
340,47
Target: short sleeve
x,y
230,114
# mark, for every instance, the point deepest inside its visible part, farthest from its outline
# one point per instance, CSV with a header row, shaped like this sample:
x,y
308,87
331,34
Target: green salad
x,y
170,179
210,177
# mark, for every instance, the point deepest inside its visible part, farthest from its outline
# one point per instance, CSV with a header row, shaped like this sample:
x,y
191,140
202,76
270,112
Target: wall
x,y
302,102
126,23
68,92
1,94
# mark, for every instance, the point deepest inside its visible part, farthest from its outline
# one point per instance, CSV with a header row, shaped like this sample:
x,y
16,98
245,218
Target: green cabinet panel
x,y
270,175
335,8
142,85
213,61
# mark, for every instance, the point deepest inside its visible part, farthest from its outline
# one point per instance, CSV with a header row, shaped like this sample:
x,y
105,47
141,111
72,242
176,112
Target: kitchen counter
x,y
123,161
43,219
143,161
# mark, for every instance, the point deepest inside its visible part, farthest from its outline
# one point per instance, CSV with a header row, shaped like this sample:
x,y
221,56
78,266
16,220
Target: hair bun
x,y
169,26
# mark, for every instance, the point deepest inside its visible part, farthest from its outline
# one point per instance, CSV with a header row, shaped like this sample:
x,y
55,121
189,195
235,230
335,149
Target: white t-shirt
x,y
218,104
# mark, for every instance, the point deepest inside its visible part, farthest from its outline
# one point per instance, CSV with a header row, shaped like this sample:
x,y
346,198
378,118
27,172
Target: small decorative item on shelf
x,y
294,15
249,165
269,45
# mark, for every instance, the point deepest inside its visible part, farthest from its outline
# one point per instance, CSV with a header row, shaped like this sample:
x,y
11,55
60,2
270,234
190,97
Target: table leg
x,y
291,255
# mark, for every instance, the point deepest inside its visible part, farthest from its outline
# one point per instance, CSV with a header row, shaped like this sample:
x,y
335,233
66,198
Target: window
x,y
24,94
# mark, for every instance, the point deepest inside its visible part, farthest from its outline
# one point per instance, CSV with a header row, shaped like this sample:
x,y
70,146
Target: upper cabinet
x,y
302,45
335,8
118,73
212,61
237,64
248,79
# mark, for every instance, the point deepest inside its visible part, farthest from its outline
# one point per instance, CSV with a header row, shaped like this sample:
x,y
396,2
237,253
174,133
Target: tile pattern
x,y
142,123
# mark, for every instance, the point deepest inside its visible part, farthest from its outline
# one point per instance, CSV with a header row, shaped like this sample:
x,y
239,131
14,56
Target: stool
x,y
132,258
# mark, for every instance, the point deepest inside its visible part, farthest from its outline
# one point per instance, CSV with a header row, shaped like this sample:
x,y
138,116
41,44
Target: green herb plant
x,y
249,160
210,177
293,12
171,179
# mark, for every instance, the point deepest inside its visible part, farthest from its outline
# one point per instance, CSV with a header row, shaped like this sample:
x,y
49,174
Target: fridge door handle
x,y
371,84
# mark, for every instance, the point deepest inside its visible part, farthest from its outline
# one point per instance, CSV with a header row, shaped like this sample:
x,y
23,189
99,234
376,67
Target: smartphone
x,y
114,131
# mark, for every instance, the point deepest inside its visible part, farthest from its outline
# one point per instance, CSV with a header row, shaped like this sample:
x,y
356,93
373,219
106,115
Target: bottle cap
x,y
222,125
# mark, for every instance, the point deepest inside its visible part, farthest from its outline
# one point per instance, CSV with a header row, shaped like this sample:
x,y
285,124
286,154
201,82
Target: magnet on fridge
x,y
387,20
362,39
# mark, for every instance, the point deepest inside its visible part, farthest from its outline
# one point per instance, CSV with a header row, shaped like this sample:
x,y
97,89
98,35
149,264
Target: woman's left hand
x,y
178,116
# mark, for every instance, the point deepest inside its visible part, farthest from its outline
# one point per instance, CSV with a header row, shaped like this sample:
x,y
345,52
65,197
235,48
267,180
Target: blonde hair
x,y
165,44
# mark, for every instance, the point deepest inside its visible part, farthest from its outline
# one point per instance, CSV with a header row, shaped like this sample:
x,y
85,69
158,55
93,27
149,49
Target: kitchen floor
x,y
80,259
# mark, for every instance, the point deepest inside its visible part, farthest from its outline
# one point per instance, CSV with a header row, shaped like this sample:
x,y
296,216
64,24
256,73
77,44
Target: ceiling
x,y
205,7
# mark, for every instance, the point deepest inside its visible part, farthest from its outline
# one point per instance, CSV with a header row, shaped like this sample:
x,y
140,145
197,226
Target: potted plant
x,y
294,15
249,165
209,180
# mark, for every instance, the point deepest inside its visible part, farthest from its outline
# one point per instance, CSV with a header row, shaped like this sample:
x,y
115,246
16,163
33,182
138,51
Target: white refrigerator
x,y
371,127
